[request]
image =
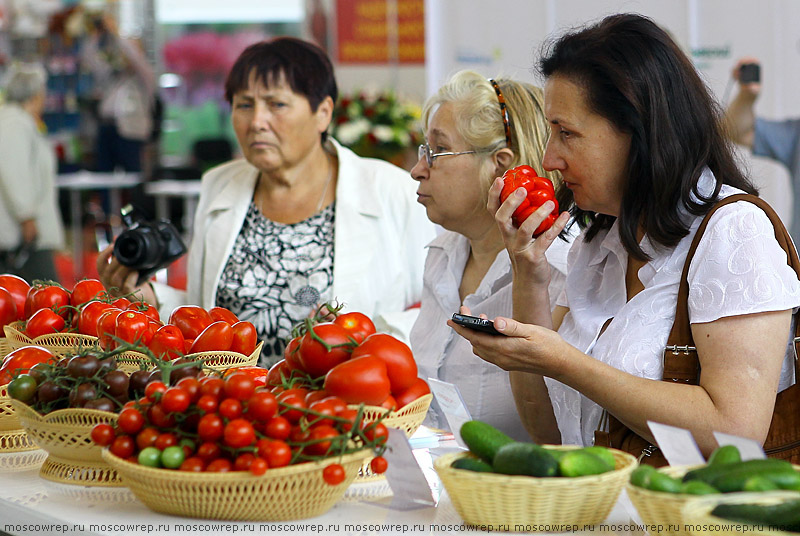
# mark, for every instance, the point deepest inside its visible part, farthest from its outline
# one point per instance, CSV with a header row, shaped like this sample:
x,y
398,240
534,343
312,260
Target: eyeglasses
x,y
425,150
503,110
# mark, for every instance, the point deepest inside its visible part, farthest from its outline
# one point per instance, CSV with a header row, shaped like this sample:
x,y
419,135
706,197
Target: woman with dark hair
x,y
637,139
300,220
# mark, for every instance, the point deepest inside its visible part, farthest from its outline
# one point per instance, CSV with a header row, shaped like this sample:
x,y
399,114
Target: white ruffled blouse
x,y
743,270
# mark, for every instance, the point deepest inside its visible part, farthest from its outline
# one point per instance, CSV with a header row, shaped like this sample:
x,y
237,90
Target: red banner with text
x,y
364,33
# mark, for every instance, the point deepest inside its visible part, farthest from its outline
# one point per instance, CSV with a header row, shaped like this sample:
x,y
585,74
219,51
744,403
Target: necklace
x,y
327,183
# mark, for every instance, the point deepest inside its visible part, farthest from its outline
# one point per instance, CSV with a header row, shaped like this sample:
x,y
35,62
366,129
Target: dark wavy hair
x,y
638,78
306,68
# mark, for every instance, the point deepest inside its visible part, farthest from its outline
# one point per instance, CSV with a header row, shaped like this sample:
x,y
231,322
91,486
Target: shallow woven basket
x,y
60,344
219,361
408,418
12,436
23,461
65,435
282,494
529,504
659,508
5,346
697,518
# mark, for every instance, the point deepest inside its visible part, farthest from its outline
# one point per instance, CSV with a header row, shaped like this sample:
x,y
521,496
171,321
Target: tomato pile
x,y
89,379
350,361
219,425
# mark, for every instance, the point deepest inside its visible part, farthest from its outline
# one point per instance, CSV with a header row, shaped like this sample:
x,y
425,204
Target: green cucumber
x,y
709,473
472,464
725,454
483,440
785,515
782,475
582,463
640,477
524,459
697,487
663,482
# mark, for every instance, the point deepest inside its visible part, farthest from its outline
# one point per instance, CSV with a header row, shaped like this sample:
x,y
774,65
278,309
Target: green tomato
x,y
186,442
150,457
22,388
172,457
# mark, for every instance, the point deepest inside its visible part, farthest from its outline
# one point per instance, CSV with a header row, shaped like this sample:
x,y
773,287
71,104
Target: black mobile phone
x,y
473,322
749,72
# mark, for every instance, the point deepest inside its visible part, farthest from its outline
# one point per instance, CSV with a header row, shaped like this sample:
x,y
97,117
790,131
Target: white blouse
x,y
742,270
442,354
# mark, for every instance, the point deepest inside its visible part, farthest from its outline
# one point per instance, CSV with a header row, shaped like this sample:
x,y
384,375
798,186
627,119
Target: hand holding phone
x,y
473,322
749,73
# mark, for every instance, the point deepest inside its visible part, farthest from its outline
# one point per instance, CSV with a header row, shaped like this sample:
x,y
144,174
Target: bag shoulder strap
x,y
680,357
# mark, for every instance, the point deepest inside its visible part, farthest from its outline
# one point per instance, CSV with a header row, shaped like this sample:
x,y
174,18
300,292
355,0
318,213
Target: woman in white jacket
x,y
29,214
301,220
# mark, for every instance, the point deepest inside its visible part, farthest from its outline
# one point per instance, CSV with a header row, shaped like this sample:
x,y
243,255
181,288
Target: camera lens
x,y
139,248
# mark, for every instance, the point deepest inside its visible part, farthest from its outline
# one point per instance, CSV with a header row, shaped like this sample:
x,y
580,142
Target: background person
x,y
643,171
300,220
466,148
775,139
29,214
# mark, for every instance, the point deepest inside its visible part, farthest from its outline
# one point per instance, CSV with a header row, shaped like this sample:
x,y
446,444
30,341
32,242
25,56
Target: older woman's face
x,y
452,190
586,148
276,127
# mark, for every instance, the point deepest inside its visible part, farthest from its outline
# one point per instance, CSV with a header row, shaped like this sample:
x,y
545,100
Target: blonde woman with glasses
x,y
475,129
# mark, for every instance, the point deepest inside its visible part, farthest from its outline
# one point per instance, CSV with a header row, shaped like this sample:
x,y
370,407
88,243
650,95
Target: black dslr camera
x,y
147,246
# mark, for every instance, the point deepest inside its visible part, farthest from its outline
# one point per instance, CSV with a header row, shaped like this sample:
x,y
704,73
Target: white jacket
x,y
379,247
27,181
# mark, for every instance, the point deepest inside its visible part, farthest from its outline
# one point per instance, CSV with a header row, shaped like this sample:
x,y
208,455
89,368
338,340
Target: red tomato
x,y
122,303
539,190
323,347
277,427
130,421
18,288
175,400
122,446
107,326
239,433
89,315
85,291
22,359
220,465
167,342
43,322
363,379
418,388
357,324
220,313
294,402
278,372
257,374
210,427
103,434
322,437
400,364
191,320
230,408
217,337
240,386
131,326
8,308
378,465
333,474
262,406
245,338
292,354
47,297
146,309
389,403
278,454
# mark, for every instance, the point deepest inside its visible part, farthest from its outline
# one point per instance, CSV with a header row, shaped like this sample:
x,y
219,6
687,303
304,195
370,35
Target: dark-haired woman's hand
x,y
526,253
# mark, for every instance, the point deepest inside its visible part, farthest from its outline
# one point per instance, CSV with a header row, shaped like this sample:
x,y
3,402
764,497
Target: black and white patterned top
x,y
277,274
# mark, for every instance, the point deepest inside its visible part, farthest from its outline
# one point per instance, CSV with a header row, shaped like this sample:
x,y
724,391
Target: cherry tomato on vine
x,y
230,408
103,434
239,433
210,427
240,386
122,446
259,466
175,400
262,406
277,428
333,474
130,421
378,465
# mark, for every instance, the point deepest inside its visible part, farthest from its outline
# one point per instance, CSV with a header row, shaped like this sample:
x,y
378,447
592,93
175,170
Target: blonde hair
x,y
479,118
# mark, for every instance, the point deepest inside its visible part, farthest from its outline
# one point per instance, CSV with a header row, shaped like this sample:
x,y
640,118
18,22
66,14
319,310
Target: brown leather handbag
x,y
681,363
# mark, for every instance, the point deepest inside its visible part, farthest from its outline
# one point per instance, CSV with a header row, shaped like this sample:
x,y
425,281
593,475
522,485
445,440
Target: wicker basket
x,y
65,435
659,508
60,344
219,361
5,346
282,494
23,461
697,518
408,418
529,504
12,436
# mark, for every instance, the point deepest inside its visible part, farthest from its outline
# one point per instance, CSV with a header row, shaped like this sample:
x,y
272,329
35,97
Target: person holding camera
x,y
301,220
29,213
778,140
476,129
647,176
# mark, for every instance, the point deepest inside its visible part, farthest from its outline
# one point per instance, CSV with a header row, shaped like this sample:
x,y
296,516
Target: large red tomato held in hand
x,y
400,364
539,189
362,379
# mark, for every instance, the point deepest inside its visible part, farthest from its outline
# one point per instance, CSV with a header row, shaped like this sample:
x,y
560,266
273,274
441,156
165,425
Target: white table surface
x,y
31,505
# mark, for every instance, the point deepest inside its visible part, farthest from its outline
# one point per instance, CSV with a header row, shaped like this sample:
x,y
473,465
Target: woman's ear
x,y
324,113
502,160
